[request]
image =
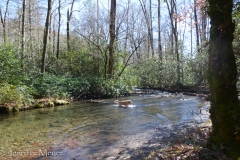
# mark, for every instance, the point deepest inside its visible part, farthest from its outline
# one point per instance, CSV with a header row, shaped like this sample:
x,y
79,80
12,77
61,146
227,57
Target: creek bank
x,y
143,91
199,91
183,140
185,90
191,92
37,103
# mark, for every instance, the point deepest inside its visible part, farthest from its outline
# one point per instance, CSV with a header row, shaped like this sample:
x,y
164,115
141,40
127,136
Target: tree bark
x,y
204,25
23,32
30,24
50,29
59,27
68,30
159,31
196,24
127,27
173,10
225,109
54,35
112,37
191,38
45,36
151,27
69,16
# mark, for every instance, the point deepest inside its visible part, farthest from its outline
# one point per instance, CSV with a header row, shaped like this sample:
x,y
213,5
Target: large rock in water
x,y
61,102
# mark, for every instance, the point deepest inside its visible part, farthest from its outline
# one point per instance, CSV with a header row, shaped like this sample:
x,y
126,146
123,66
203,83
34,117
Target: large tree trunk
x,y
225,109
45,36
112,37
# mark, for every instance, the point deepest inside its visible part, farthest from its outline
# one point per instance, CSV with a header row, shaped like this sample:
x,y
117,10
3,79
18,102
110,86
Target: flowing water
x,y
91,130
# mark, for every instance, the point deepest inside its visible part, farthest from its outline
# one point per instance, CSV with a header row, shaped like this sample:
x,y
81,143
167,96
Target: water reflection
x,y
90,129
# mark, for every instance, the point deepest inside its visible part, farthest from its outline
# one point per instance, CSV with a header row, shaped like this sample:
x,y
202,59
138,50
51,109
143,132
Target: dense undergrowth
x,y
79,74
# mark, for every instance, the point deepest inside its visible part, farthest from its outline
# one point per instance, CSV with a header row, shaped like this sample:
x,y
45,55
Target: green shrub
x,y
48,85
15,95
10,65
154,73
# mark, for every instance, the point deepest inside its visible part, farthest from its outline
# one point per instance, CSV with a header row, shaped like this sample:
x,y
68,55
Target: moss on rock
x,y
61,102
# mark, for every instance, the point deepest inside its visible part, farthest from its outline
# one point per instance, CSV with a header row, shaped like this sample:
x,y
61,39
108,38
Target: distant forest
x,y
64,48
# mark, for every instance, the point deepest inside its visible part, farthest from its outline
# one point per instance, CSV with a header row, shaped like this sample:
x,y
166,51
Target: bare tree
x,y
191,32
98,26
151,26
159,31
196,23
204,19
30,23
148,20
137,34
69,16
45,36
127,25
23,30
3,21
59,28
112,37
172,10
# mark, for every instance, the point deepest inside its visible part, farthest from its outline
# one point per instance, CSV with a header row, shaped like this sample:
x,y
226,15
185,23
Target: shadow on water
x,y
92,130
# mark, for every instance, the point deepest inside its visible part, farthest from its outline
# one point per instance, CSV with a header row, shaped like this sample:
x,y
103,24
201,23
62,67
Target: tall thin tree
x,y
196,23
159,31
172,10
69,16
127,26
30,24
148,19
59,28
3,21
112,33
151,26
45,36
23,32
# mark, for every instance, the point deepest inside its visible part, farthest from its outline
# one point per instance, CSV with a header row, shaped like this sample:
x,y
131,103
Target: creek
x,y
92,130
